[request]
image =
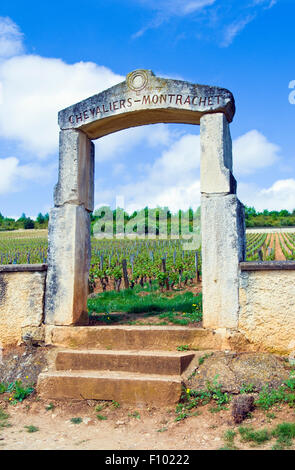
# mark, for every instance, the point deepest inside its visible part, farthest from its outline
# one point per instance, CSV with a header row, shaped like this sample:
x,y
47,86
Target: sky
x,y
55,54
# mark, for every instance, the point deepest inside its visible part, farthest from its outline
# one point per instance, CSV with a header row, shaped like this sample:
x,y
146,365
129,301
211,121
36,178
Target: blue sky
x,y
55,54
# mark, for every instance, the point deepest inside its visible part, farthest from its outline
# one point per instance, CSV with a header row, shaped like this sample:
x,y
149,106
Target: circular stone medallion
x,y
137,80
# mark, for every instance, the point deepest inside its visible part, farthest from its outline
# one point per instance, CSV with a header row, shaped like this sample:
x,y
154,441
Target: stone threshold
x,y
22,268
267,266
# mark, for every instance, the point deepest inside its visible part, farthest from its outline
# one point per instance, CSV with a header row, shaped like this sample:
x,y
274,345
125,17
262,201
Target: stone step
x,y
123,387
146,362
124,338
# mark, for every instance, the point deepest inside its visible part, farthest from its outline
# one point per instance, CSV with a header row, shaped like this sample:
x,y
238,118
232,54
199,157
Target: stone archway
x,y
145,99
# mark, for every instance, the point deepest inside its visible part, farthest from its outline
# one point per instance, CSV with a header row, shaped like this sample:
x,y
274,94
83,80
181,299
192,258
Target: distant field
x,y
30,246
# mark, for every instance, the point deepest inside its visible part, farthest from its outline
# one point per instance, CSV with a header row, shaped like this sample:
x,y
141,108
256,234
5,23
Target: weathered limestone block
x,y
216,155
21,304
267,312
76,170
223,247
68,266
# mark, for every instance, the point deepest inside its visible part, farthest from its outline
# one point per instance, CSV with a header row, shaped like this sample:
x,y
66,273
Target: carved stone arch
x,y
143,99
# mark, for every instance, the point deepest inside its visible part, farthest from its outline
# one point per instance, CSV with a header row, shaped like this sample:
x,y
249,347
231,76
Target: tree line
x,y
137,222
24,222
267,218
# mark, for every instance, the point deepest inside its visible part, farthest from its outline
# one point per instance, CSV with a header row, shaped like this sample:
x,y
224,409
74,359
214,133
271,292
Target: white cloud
x,y
176,7
167,8
34,89
234,29
11,38
267,3
252,151
110,146
14,176
172,180
281,195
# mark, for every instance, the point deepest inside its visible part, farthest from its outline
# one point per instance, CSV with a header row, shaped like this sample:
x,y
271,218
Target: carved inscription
x,y
146,100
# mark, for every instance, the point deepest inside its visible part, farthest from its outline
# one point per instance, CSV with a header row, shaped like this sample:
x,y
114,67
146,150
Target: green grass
x,y
229,440
285,433
101,417
76,420
269,397
191,399
31,428
4,419
256,437
130,301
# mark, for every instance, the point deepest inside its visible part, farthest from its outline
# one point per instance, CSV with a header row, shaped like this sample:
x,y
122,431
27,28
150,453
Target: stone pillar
x,y
69,232
223,226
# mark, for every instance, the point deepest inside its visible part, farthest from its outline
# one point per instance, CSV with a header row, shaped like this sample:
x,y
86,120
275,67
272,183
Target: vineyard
x,y
117,264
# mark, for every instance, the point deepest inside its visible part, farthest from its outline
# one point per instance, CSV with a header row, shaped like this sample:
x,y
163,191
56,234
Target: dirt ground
x,y
279,255
125,428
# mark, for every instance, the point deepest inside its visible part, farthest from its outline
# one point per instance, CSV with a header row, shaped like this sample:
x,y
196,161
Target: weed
x,y
115,404
18,391
101,417
203,358
3,419
182,415
216,409
247,388
194,398
215,389
290,383
226,448
31,428
99,408
50,407
183,347
269,397
284,433
270,416
257,437
162,430
76,420
135,415
229,438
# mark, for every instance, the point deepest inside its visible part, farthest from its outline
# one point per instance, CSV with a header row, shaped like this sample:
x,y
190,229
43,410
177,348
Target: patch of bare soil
x,y
125,428
279,255
137,319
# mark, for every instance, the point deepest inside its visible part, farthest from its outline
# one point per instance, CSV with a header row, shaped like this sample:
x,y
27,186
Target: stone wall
x,y
266,317
22,290
267,305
